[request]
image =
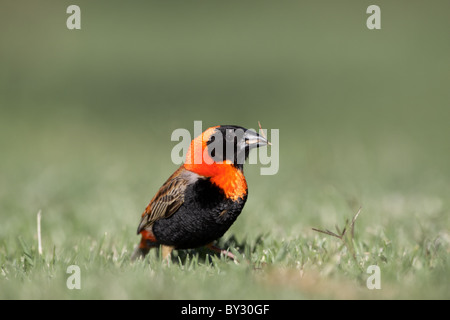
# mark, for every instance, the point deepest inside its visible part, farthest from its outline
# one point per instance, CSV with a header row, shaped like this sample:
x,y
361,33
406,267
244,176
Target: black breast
x,y
205,216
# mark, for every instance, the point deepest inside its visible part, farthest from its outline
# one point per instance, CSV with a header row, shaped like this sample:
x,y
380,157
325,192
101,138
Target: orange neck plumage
x,y
224,175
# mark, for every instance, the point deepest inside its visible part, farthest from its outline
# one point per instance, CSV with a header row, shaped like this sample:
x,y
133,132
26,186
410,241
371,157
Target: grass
x,y
85,125
296,268
90,212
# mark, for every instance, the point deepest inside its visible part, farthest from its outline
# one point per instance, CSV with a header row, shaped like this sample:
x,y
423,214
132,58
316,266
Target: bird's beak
x,y
254,140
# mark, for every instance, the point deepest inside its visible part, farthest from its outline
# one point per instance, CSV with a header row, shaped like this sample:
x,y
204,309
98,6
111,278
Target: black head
x,y
233,143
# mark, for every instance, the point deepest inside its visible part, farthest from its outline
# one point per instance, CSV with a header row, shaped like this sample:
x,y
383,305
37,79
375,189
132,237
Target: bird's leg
x,y
226,253
166,251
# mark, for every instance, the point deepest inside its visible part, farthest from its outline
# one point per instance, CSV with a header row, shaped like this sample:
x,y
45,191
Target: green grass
x,y
86,119
91,206
308,266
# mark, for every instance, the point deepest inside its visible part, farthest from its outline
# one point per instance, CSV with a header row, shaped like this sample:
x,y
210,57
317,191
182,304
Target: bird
x,y
202,199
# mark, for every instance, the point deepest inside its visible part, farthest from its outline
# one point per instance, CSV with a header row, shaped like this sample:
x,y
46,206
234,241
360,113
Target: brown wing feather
x,y
168,199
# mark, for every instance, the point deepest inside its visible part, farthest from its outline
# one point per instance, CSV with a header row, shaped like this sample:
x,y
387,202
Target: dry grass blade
x,y
263,134
39,214
328,232
352,226
341,235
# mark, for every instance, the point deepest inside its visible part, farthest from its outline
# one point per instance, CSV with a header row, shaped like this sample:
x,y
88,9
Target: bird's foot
x,y
220,251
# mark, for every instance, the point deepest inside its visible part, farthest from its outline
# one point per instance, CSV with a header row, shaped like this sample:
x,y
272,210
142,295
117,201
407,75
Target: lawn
x,y
86,119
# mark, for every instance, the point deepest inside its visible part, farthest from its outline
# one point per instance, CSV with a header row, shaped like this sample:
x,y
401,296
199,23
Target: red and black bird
x,y
202,199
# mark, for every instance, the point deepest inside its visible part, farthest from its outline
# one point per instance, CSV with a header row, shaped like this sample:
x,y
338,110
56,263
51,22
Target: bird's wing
x,y
168,199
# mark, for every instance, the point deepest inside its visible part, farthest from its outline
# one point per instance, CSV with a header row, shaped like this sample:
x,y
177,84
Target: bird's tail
x,y
139,253
147,242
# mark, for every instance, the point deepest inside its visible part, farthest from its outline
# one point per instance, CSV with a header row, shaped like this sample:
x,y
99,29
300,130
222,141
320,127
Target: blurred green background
x,y
86,115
